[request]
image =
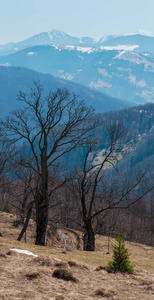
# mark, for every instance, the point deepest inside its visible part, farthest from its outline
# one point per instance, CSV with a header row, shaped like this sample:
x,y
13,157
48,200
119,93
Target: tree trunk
x,y
41,222
41,226
89,238
42,204
26,222
22,213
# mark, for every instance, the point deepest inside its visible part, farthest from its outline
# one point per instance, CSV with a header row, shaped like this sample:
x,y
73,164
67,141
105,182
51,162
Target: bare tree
x,y
5,181
52,126
4,158
97,195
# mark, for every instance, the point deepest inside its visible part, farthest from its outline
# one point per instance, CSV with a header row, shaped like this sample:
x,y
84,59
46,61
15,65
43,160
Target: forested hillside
x,y
14,79
139,122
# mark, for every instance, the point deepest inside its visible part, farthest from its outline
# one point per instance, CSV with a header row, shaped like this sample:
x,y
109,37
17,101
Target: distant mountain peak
x,y
110,37
57,33
146,33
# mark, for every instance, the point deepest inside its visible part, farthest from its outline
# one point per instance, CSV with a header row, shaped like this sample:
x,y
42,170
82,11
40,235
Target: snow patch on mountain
x,y
31,53
89,50
107,48
67,47
57,35
85,49
137,59
140,83
104,73
120,47
5,65
147,95
67,76
99,84
103,39
146,33
50,36
72,48
140,32
123,69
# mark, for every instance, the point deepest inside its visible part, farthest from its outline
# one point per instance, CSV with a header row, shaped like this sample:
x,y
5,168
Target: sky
x,y
20,19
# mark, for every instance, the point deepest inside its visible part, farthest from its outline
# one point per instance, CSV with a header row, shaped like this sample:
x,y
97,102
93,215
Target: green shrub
x,y
120,257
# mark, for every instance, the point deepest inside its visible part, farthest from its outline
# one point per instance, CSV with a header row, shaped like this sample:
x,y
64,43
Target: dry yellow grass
x,y
27,277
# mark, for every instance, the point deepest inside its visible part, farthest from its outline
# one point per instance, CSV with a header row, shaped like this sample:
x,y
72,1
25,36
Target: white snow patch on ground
x,y
23,252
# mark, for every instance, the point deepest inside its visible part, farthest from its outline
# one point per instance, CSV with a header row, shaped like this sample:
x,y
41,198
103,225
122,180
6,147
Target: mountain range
x,y
142,41
120,66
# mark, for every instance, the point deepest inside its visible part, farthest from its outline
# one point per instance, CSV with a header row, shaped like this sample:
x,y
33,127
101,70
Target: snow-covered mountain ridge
x,y
144,41
120,66
118,71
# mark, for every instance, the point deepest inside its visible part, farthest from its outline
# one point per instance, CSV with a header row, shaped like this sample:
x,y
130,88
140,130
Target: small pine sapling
x,y
121,261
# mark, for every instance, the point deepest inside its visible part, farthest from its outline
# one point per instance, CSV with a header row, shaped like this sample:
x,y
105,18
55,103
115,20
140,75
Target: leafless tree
x,y
51,126
96,194
5,181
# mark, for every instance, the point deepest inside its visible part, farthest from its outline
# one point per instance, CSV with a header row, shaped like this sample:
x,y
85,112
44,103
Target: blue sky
x,y
20,19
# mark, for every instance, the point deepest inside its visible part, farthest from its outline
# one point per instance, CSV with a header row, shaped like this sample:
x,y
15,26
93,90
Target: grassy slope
x,y
16,269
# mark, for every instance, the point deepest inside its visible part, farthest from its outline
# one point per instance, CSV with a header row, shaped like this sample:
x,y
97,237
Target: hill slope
x,y
139,122
24,276
119,72
14,79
